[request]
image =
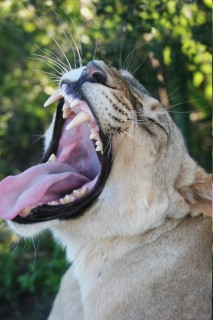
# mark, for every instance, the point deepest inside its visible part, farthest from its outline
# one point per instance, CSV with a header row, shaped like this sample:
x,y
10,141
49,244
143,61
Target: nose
x,y
96,73
92,74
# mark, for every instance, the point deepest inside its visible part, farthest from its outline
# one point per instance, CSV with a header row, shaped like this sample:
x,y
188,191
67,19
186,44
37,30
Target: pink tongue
x,y
37,185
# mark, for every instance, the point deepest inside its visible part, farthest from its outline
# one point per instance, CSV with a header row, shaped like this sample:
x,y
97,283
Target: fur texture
x,y
142,250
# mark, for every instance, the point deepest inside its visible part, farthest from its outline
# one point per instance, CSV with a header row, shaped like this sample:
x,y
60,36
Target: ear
x,y
202,191
199,193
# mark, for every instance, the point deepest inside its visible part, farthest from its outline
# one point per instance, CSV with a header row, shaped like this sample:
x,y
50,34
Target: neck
x,y
102,266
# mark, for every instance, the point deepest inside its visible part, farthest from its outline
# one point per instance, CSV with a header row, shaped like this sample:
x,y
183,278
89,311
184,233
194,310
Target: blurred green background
x,y
167,44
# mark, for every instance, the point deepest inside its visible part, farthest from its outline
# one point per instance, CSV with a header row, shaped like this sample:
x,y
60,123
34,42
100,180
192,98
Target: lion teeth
x,y
65,106
67,199
98,143
93,135
52,203
67,113
81,117
52,158
54,97
74,103
26,211
99,148
80,192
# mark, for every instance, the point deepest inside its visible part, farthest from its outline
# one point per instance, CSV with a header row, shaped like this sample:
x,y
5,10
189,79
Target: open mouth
x,y
73,171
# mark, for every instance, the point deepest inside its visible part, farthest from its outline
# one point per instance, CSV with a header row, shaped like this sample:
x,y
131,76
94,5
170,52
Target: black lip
x,y
76,208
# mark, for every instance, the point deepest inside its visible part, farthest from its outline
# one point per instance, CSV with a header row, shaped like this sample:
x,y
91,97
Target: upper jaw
x,y
72,105
73,75
76,109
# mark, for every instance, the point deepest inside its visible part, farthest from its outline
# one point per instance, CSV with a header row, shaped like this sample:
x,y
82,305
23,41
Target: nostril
x,y
96,73
99,77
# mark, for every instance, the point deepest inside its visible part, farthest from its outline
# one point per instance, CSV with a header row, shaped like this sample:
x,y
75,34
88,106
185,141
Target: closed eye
x,y
159,125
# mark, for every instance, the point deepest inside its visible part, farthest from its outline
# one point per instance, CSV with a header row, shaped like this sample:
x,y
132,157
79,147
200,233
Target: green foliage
x,y
28,268
165,43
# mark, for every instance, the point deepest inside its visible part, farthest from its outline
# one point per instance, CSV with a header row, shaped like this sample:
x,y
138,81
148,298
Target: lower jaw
x,y
78,207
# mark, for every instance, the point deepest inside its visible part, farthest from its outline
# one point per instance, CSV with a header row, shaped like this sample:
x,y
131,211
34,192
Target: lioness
x,y
119,190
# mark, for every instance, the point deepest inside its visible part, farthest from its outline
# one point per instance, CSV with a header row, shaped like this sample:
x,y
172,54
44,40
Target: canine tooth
x,y
26,211
62,201
81,117
74,103
52,158
54,97
83,191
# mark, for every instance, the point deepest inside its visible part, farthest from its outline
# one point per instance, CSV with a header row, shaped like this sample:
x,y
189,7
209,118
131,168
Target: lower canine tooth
x,y
52,158
83,191
81,117
26,211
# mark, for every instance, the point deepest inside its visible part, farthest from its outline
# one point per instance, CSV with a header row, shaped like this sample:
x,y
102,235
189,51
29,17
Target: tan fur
x,y
137,252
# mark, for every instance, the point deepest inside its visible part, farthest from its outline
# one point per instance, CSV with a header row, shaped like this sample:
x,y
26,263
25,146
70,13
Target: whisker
x,y
138,67
70,40
124,138
54,56
48,64
15,247
79,52
130,59
37,139
136,140
56,42
175,90
95,49
127,57
48,73
35,252
48,59
180,103
120,55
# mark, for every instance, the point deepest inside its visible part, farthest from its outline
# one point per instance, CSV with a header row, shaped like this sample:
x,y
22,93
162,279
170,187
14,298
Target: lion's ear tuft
x,y
202,191
199,193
